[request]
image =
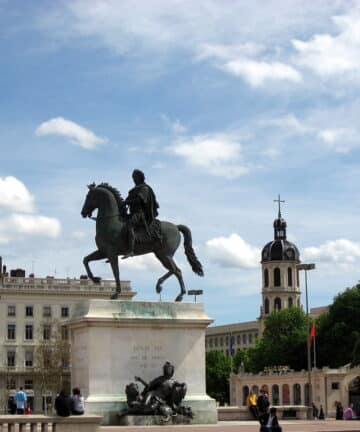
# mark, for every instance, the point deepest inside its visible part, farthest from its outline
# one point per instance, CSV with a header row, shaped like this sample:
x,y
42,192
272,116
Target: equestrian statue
x,y
130,228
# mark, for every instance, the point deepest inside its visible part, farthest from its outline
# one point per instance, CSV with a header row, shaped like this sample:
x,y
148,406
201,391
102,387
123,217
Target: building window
x,y
277,277
290,277
290,302
64,312
210,343
65,334
277,303
11,384
46,332
256,335
250,338
11,331
216,342
46,311
244,338
29,311
28,332
335,386
297,394
266,277
238,339
11,358
11,310
28,384
29,359
285,394
267,305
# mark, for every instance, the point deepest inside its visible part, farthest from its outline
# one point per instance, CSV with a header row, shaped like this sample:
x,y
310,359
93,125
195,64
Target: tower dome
x,y
280,248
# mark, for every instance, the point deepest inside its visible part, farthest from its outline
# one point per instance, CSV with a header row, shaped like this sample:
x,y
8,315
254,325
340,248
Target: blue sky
x,y
223,105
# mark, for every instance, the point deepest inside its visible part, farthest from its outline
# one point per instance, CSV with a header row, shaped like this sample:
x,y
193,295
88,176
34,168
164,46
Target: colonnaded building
x,y
29,308
281,289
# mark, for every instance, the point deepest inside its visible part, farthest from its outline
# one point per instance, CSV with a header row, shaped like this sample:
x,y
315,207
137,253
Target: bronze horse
x,y
112,238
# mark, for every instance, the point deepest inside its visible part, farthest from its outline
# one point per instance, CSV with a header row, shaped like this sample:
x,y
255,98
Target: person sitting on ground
x,y
77,402
63,404
271,422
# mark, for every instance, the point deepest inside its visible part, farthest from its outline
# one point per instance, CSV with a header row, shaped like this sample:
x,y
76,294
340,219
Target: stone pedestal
x,y
112,341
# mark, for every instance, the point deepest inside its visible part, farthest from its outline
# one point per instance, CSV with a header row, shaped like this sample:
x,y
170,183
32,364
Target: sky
x,y
223,105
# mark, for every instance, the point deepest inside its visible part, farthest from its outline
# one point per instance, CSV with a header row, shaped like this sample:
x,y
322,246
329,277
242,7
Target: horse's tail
x,y
189,251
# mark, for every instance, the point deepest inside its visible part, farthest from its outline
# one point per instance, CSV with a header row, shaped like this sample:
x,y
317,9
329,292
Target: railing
x,y
68,284
22,423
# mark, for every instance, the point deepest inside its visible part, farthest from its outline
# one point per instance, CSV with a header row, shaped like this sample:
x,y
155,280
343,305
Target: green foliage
x,y
239,357
283,342
218,368
337,338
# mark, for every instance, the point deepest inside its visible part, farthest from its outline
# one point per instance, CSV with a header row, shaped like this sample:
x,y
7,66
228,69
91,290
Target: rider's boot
x,y
131,244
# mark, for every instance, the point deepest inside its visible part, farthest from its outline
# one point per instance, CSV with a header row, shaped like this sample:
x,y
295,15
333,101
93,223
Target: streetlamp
x,y
307,267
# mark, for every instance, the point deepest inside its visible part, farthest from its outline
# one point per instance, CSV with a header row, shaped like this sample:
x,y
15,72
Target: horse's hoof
x,y
158,288
114,296
179,298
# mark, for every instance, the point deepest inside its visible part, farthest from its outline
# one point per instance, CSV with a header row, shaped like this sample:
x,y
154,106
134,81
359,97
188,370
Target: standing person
x,y
21,399
63,404
315,411
11,405
251,403
349,413
77,402
321,414
339,411
143,207
271,422
263,406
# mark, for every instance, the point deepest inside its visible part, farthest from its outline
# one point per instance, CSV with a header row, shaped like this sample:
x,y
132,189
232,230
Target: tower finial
x,y
279,201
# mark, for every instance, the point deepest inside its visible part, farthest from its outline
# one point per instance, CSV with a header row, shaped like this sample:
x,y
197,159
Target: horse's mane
x,y
118,198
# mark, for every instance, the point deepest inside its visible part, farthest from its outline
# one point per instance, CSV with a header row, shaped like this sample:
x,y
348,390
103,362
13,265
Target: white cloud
x,y
240,61
144,263
75,133
15,196
233,251
176,126
21,226
288,122
328,55
342,140
217,154
258,73
342,252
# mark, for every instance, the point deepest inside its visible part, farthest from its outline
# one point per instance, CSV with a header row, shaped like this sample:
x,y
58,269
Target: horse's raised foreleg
x,y
94,256
113,259
168,262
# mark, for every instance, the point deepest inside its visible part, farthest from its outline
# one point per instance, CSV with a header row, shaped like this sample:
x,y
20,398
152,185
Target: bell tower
x,y
280,278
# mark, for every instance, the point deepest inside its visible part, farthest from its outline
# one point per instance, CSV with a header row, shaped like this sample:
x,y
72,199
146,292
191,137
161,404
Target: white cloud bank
x,y
341,252
19,218
217,154
327,55
15,196
233,252
75,133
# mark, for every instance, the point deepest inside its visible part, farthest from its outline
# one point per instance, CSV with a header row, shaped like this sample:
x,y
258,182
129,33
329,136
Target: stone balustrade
x,y
21,423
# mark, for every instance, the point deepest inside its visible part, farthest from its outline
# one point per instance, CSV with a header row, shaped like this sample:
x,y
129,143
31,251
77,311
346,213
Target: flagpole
x,y
315,350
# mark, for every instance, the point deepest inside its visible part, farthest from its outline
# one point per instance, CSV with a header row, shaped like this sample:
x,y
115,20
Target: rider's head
x,y
138,176
168,369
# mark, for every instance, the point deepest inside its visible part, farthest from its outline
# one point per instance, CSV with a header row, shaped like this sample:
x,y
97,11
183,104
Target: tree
x,y
52,355
283,342
240,358
337,338
218,369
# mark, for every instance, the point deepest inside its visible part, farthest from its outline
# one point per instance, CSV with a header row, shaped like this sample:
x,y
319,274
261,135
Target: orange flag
x,y
312,332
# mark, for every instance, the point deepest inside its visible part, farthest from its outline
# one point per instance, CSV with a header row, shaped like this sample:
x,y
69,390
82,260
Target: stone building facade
x,y
26,303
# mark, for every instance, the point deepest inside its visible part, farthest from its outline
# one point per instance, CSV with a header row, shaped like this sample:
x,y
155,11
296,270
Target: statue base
x,y
112,341
153,420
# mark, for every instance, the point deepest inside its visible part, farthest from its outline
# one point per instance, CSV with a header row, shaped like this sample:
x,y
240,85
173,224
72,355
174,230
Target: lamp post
x,y
307,267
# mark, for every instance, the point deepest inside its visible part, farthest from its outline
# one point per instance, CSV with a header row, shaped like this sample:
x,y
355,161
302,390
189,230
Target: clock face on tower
x,y
290,253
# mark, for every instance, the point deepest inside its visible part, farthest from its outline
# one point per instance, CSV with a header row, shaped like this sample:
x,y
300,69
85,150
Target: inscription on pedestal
x,y
147,356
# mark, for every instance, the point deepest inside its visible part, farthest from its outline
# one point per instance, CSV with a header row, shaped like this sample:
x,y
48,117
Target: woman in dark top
x,y
63,404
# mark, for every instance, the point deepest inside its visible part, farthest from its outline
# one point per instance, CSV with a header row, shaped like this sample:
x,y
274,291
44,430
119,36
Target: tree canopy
x,y
218,368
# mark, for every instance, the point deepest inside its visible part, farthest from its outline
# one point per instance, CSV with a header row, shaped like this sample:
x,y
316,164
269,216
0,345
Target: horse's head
x,y
90,203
